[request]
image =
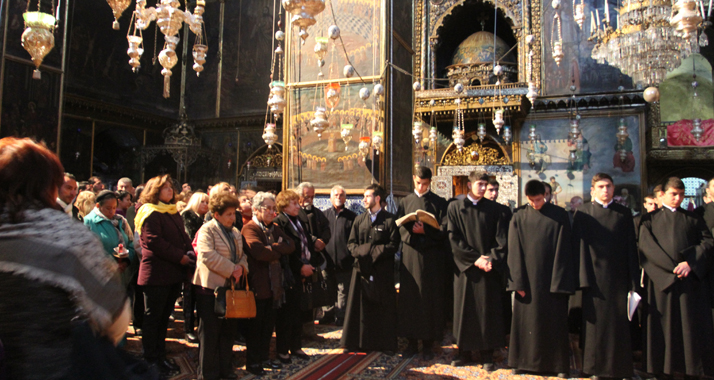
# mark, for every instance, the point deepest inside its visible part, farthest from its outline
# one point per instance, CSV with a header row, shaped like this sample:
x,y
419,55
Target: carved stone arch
x,y
512,12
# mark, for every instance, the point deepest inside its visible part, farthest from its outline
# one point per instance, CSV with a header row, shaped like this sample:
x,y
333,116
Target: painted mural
x,y
588,75
332,159
596,150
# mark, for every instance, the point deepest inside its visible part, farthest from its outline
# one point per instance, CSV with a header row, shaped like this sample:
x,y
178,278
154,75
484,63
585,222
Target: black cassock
x,y
541,262
421,303
680,333
605,240
707,212
371,316
476,230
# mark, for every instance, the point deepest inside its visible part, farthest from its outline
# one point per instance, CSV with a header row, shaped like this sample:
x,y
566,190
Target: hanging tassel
x,y
167,85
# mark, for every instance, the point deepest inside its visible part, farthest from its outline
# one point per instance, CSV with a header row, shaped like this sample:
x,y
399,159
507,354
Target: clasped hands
x,y
682,270
484,263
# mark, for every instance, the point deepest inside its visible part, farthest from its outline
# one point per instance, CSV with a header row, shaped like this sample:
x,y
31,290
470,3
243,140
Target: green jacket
x,y
102,227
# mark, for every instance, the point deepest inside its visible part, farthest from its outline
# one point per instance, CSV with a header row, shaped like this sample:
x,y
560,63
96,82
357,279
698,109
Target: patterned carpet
x,y
328,363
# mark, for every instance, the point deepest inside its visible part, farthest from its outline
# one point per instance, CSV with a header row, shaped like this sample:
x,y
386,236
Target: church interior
x,y
360,91
271,94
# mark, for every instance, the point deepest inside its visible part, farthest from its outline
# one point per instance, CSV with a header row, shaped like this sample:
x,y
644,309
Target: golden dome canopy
x,y
478,48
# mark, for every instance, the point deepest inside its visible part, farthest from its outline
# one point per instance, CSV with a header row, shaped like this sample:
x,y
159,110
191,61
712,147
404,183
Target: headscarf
x,y
146,210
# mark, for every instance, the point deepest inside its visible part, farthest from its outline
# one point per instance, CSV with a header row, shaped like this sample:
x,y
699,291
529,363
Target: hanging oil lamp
x,y
697,130
38,38
319,122
532,135
507,134
498,121
377,141
579,13
332,95
418,132
320,51
346,134
118,7
304,12
277,102
364,143
269,135
481,132
458,136
432,135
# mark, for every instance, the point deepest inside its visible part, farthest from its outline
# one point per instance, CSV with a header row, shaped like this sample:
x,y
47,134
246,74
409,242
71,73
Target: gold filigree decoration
x,y
268,161
475,154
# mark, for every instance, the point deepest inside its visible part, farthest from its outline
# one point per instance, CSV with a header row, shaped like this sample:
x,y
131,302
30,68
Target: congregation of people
x,y
521,279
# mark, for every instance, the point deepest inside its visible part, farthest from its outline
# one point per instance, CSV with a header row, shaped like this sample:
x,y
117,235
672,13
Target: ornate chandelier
x,y
38,38
169,19
649,38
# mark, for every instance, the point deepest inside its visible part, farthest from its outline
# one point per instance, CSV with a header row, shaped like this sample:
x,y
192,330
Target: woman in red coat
x,y
166,255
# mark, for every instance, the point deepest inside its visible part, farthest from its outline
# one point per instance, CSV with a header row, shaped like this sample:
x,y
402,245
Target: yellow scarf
x,y
147,209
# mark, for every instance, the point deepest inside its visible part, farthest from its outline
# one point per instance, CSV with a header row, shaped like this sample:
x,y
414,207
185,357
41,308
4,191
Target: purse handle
x,y
244,277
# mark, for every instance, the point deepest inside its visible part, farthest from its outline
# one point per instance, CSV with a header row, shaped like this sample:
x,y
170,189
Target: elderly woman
x,y
265,243
298,265
166,255
54,275
85,204
112,231
193,218
220,260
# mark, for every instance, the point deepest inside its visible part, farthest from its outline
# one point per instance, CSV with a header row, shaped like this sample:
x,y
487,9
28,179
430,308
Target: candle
x,y
701,6
607,12
618,21
709,11
597,17
592,23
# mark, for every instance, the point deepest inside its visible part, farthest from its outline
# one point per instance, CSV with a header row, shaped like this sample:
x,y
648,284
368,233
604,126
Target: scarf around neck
x,y
146,210
67,256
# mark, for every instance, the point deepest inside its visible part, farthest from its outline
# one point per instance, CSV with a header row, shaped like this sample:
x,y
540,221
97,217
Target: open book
x,y
419,216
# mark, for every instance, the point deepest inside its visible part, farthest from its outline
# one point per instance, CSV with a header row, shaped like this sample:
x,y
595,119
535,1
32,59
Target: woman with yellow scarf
x,y
166,256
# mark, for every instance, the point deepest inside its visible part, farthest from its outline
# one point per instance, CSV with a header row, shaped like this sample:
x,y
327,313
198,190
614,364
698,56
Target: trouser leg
x,y
259,332
189,304
158,305
208,337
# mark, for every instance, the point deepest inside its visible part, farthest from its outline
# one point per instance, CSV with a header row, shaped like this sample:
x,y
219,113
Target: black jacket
x,y
294,261
340,226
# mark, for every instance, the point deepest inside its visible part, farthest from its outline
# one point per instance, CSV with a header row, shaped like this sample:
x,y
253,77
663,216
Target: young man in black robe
x,y
675,252
604,234
492,194
371,321
543,273
421,302
478,232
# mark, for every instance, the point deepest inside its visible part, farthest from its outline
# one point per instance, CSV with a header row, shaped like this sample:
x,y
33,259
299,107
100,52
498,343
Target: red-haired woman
x,y
166,254
53,270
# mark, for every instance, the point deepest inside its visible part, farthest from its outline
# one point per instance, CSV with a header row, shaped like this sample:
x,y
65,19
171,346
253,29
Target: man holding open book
x,y
422,226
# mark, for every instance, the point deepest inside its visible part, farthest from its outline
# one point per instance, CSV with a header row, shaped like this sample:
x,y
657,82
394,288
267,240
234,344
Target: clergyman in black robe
x,y
421,310
371,321
543,273
492,190
675,249
604,235
707,212
478,232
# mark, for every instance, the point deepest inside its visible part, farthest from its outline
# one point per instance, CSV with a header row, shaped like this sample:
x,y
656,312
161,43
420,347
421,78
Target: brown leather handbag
x,y
232,303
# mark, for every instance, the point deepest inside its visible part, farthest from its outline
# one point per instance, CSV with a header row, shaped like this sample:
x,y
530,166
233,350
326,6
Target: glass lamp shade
x,y
319,122
118,7
135,51
346,134
269,135
377,141
38,38
332,95
199,57
364,143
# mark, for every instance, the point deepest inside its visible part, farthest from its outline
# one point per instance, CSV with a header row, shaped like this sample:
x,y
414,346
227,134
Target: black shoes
x,y
301,355
230,376
255,369
462,360
489,367
191,337
563,375
285,360
272,364
517,371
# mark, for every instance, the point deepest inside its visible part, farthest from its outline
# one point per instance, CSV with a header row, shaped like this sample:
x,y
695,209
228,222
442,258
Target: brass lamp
x,y
38,38
118,7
